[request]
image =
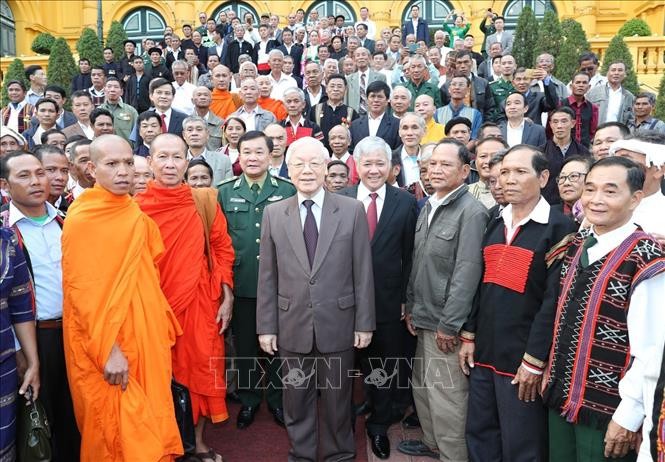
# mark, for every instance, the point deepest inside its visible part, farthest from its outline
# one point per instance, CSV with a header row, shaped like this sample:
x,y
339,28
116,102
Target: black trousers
x,y
55,396
256,370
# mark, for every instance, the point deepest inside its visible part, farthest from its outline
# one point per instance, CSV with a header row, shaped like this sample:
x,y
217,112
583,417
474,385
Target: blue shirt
x,y
43,242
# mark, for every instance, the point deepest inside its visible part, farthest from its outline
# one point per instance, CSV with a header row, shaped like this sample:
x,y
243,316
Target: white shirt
x,y
374,123
167,120
262,55
317,207
539,214
314,99
344,157
650,215
371,27
248,117
615,97
363,196
43,244
77,190
87,130
414,22
514,135
436,203
410,167
182,101
278,86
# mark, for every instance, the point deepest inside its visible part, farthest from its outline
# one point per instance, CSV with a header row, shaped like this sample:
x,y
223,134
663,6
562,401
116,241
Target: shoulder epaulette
x,y
227,180
283,179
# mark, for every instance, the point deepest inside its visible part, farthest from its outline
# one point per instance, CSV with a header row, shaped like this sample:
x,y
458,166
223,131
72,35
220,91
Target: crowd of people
x,y
255,212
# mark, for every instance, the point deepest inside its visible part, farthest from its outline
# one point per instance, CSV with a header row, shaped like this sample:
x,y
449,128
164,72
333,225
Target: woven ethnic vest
x,y
590,349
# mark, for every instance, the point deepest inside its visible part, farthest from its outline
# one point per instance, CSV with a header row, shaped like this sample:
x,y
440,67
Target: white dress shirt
x,y
539,214
182,101
435,203
374,123
363,196
87,130
314,99
249,117
43,244
649,213
410,167
278,86
317,207
615,97
514,135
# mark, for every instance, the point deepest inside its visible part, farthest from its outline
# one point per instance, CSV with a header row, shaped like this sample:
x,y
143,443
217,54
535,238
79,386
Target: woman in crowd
x,y
234,128
198,173
571,185
338,50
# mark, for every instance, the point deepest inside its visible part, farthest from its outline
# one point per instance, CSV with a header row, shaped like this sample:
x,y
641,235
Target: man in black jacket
x,y
82,81
239,46
136,87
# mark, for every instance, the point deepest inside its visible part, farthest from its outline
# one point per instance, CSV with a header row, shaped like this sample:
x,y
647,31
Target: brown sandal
x,y
211,454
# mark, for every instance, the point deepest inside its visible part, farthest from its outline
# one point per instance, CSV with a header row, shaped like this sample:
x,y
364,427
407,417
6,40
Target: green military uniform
x,y
124,118
243,208
500,90
425,88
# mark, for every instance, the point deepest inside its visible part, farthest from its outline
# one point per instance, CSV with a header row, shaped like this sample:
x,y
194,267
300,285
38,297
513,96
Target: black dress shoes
x,y
411,421
278,416
246,416
380,446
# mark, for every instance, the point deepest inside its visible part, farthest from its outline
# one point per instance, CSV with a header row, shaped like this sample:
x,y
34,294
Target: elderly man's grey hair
x,y
275,52
426,151
194,120
370,145
309,144
419,118
403,89
297,90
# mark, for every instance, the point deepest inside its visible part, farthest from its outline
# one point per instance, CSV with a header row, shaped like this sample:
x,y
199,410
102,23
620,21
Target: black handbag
x,y
182,404
33,433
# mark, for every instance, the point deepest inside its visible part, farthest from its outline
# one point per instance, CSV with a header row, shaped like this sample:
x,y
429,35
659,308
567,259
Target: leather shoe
x,y
380,446
278,416
246,416
411,421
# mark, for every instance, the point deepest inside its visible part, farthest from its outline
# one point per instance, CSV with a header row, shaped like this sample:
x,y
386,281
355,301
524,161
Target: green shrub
x,y
42,43
573,45
525,38
15,71
635,26
61,65
660,101
88,46
617,50
116,35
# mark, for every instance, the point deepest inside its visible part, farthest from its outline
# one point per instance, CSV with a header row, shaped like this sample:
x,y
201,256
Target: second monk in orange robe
x,y
197,279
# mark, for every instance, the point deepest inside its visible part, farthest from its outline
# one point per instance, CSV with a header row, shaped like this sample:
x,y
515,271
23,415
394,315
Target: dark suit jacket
x,y
233,52
533,135
392,251
171,58
175,124
482,96
141,100
271,45
67,119
212,50
202,53
388,130
329,301
369,44
296,54
421,34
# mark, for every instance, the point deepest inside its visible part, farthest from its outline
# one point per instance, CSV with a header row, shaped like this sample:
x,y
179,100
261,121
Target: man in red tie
x,y
391,219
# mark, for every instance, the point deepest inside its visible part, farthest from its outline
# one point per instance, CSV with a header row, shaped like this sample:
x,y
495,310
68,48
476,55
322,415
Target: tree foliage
x,y
61,65
15,71
635,26
617,50
525,38
550,35
573,45
115,38
660,102
42,43
88,47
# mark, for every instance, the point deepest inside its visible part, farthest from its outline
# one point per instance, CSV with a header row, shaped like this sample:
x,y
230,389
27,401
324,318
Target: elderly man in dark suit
x,y
377,122
391,217
315,300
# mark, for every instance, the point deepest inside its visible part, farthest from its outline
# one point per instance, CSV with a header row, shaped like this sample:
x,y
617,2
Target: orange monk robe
x,y
273,105
224,102
194,291
112,296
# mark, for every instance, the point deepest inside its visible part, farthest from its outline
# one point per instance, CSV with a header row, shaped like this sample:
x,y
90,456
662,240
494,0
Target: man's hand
x,y
465,355
529,384
618,440
225,311
116,370
539,74
446,343
268,343
30,377
362,339
402,311
408,319
21,364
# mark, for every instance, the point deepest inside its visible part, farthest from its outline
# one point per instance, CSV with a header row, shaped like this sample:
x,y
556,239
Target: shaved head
x,y
103,145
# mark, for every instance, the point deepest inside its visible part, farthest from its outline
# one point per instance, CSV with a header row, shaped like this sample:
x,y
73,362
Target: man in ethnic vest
x,y
608,323
16,115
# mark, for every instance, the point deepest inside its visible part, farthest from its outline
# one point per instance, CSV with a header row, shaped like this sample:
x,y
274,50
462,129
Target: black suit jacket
x,y
175,124
296,54
139,100
233,53
482,96
388,130
271,45
171,57
392,251
369,44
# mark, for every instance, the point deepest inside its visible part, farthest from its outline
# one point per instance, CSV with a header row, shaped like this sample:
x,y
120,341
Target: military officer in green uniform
x,y
503,87
243,199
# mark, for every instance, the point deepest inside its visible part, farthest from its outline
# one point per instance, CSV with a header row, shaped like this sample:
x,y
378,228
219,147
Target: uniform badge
x,y
237,199
275,198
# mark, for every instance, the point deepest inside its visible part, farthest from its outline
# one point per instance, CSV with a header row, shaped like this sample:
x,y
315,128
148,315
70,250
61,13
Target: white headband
x,y
655,152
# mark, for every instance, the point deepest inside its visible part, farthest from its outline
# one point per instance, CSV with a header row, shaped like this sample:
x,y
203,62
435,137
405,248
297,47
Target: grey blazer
x,y
352,98
215,132
506,41
600,95
220,164
329,301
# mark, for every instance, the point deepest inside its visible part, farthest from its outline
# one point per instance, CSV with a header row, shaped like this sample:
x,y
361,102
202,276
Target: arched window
x,y
513,9
7,30
434,12
144,23
333,8
239,8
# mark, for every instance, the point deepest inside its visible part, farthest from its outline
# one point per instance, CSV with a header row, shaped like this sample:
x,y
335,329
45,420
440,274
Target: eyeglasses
x,y
299,166
573,177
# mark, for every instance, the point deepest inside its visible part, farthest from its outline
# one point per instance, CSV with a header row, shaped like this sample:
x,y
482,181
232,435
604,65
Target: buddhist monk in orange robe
x,y
118,327
197,279
223,101
266,102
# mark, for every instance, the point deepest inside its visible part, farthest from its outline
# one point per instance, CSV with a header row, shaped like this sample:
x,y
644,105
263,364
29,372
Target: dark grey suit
x,y
314,312
388,130
533,135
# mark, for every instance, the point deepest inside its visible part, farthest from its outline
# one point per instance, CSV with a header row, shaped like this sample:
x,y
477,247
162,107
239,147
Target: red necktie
x,y
164,127
372,215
